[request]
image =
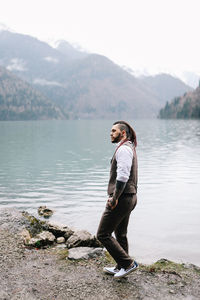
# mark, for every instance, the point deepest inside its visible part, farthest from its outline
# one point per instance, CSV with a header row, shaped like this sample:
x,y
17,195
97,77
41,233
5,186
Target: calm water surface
x,y
65,165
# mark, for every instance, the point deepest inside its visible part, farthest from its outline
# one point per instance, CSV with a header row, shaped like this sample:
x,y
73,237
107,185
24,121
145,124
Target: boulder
x,y
15,221
34,225
25,236
59,230
82,238
42,239
84,253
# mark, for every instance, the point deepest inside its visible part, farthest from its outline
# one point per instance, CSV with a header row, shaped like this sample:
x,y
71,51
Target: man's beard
x,y
117,139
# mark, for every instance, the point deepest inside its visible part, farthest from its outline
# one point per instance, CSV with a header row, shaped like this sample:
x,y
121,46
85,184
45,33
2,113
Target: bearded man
x,y
122,192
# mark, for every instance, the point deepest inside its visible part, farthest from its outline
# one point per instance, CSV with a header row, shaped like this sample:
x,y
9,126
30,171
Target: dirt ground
x,y
46,274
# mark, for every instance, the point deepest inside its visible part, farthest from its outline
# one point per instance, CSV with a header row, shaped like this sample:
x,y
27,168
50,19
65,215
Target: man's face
x,y
116,134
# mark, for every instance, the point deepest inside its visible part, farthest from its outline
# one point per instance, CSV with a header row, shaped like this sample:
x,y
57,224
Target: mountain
x,y
165,86
88,86
185,107
19,101
96,87
28,57
69,51
81,84
191,78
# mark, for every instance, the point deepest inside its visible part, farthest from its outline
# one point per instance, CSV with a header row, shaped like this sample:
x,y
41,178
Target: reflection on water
x,y
65,165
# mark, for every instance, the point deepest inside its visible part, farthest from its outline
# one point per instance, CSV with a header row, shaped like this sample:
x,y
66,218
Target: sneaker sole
x,y
110,273
127,273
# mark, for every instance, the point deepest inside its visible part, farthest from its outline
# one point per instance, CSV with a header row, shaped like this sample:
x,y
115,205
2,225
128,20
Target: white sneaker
x,y
112,270
123,272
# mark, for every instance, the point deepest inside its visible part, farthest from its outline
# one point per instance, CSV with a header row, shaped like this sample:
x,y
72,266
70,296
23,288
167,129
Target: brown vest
x,y
131,185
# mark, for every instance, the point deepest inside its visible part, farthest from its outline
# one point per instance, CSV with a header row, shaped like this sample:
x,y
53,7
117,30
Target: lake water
x,y
65,165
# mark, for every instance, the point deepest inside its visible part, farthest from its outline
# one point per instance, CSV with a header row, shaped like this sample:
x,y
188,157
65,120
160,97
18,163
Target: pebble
x,y
60,240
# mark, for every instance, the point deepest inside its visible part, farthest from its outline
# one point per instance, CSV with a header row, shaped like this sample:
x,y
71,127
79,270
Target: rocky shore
x,y
44,261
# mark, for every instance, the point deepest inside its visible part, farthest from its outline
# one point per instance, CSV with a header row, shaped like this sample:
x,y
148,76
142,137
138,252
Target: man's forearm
x,y
119,188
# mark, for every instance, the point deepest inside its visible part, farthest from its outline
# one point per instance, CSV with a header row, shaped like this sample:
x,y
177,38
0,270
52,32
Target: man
x,y
122,191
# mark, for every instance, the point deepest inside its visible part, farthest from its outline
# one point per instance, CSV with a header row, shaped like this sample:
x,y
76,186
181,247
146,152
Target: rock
x,y
59,230
79,238
25,236
42,239
34,226
60,240
82,238
45,211
15,221
68,233
84,253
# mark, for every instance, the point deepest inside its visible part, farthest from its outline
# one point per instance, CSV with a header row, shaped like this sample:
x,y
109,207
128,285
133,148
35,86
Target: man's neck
x,y
121,141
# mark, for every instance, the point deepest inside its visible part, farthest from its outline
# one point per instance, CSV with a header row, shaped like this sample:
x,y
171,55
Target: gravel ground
x,y
46,274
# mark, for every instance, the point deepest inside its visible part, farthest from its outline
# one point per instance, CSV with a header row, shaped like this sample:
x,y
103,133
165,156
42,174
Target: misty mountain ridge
x,y
80,84
70,51
190,78
166,86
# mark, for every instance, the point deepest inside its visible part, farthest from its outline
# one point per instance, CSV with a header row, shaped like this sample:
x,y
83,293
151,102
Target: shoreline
x,y
46,274
140,254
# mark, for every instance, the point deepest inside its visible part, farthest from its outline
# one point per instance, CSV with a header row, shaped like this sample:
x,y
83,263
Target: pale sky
x,y
152,35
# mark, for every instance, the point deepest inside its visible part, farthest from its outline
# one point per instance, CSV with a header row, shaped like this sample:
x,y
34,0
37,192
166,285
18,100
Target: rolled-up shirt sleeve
x,y
124,157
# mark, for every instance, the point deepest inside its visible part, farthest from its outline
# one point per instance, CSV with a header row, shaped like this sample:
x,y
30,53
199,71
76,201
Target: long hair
x,y
130,133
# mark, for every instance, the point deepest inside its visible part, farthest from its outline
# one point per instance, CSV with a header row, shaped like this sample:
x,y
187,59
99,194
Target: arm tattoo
x,y
119,188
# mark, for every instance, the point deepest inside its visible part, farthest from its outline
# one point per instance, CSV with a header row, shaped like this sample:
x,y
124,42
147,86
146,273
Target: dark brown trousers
x,y
116,221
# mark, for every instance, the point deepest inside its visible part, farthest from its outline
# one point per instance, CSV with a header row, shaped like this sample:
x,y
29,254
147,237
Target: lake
x,y
65,165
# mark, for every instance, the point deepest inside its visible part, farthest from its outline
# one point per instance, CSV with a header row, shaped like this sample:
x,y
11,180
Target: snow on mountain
x,y
3,27
42,81
16,64
51,59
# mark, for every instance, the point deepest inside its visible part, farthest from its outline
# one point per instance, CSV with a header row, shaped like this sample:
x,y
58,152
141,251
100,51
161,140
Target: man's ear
x,y
123,132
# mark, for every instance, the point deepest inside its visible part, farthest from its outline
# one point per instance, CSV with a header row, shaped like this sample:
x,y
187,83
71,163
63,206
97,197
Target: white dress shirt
x,y
124,157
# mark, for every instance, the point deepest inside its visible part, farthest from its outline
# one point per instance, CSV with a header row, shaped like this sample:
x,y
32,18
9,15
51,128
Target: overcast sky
x,y
152,35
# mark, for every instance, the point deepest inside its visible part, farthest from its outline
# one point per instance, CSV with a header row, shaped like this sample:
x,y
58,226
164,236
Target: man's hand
x,y
112,202
119,188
